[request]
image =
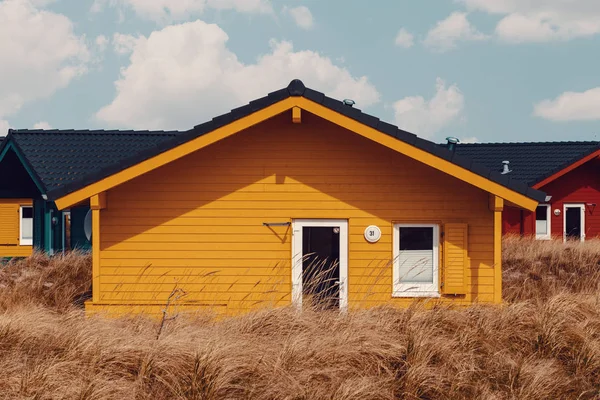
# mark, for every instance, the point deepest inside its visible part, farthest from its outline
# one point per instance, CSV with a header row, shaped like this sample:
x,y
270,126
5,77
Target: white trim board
x,y
297,257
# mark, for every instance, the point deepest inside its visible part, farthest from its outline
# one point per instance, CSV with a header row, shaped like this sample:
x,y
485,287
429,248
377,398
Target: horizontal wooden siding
x,y
197,223
9,228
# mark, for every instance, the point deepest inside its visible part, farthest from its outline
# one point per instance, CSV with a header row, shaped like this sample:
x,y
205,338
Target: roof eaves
x,y
297,88
114,168
563,166
535,194
180,138
4,140
430,147
521,186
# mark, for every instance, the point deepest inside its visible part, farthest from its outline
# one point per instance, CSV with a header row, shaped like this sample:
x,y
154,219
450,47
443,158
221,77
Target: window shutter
x,y
9,224
456,261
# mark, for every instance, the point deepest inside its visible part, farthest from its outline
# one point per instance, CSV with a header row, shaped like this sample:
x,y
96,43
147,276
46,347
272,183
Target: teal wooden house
x,y
34,163
28,220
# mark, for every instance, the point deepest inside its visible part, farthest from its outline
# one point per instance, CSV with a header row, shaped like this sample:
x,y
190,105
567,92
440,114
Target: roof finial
x,y
296,88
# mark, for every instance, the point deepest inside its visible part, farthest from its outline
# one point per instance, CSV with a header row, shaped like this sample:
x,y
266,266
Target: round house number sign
x,y
372,234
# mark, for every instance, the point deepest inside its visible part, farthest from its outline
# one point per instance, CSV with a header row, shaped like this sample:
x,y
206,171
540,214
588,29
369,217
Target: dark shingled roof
x,y
89,161
529,162
61,157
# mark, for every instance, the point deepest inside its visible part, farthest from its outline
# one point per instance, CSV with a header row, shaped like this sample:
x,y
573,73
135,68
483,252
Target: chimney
x,y
505,169
452,141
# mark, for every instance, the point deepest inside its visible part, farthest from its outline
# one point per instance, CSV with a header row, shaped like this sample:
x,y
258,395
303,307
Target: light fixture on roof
x,y
349,102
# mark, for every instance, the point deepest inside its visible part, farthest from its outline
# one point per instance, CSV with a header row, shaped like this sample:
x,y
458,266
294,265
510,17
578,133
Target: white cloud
x,y
469,139
42,125
41,3
245,6
302,16
541,20
427,117
176,10
404,39
124,44
185,74
4,125
42,56
101,42
448,32
571,106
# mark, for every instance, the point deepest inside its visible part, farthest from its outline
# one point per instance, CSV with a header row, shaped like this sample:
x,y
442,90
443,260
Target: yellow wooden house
x,y
255,207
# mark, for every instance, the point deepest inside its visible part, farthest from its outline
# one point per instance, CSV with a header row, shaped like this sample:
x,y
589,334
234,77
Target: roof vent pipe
x,y
505,169
452,141
349,102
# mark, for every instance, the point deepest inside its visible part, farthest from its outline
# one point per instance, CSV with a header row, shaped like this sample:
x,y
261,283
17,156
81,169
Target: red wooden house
x,y
568,172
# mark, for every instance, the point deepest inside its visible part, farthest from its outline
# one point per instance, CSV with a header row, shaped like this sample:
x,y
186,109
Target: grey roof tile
x,y
61,157
529,162
70,160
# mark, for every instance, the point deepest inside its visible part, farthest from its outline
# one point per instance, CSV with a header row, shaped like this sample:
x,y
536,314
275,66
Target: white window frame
x,y
24,241
298,257
581,206
548,235
416,289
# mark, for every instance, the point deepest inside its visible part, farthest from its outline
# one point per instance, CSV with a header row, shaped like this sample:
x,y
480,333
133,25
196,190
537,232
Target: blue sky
x,y
485,70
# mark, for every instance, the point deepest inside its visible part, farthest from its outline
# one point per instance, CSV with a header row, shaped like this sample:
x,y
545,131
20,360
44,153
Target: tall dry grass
x,y
543,344
539,269
59,283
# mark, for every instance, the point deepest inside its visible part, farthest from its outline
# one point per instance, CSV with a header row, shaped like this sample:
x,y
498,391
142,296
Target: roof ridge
x,y
296,88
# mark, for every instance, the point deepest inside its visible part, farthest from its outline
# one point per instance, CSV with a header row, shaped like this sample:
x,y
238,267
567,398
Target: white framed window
x,y
542,222
26,226
416,260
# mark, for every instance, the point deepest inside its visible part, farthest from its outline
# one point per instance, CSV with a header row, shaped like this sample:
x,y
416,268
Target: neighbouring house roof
x,y
531,163
294,94
61,157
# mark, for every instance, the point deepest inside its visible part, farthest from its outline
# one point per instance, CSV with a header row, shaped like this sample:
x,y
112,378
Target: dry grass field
x,y
544,343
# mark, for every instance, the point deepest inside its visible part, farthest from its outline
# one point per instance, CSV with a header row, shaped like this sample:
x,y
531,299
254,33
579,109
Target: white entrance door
x,y
320,262
574,222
